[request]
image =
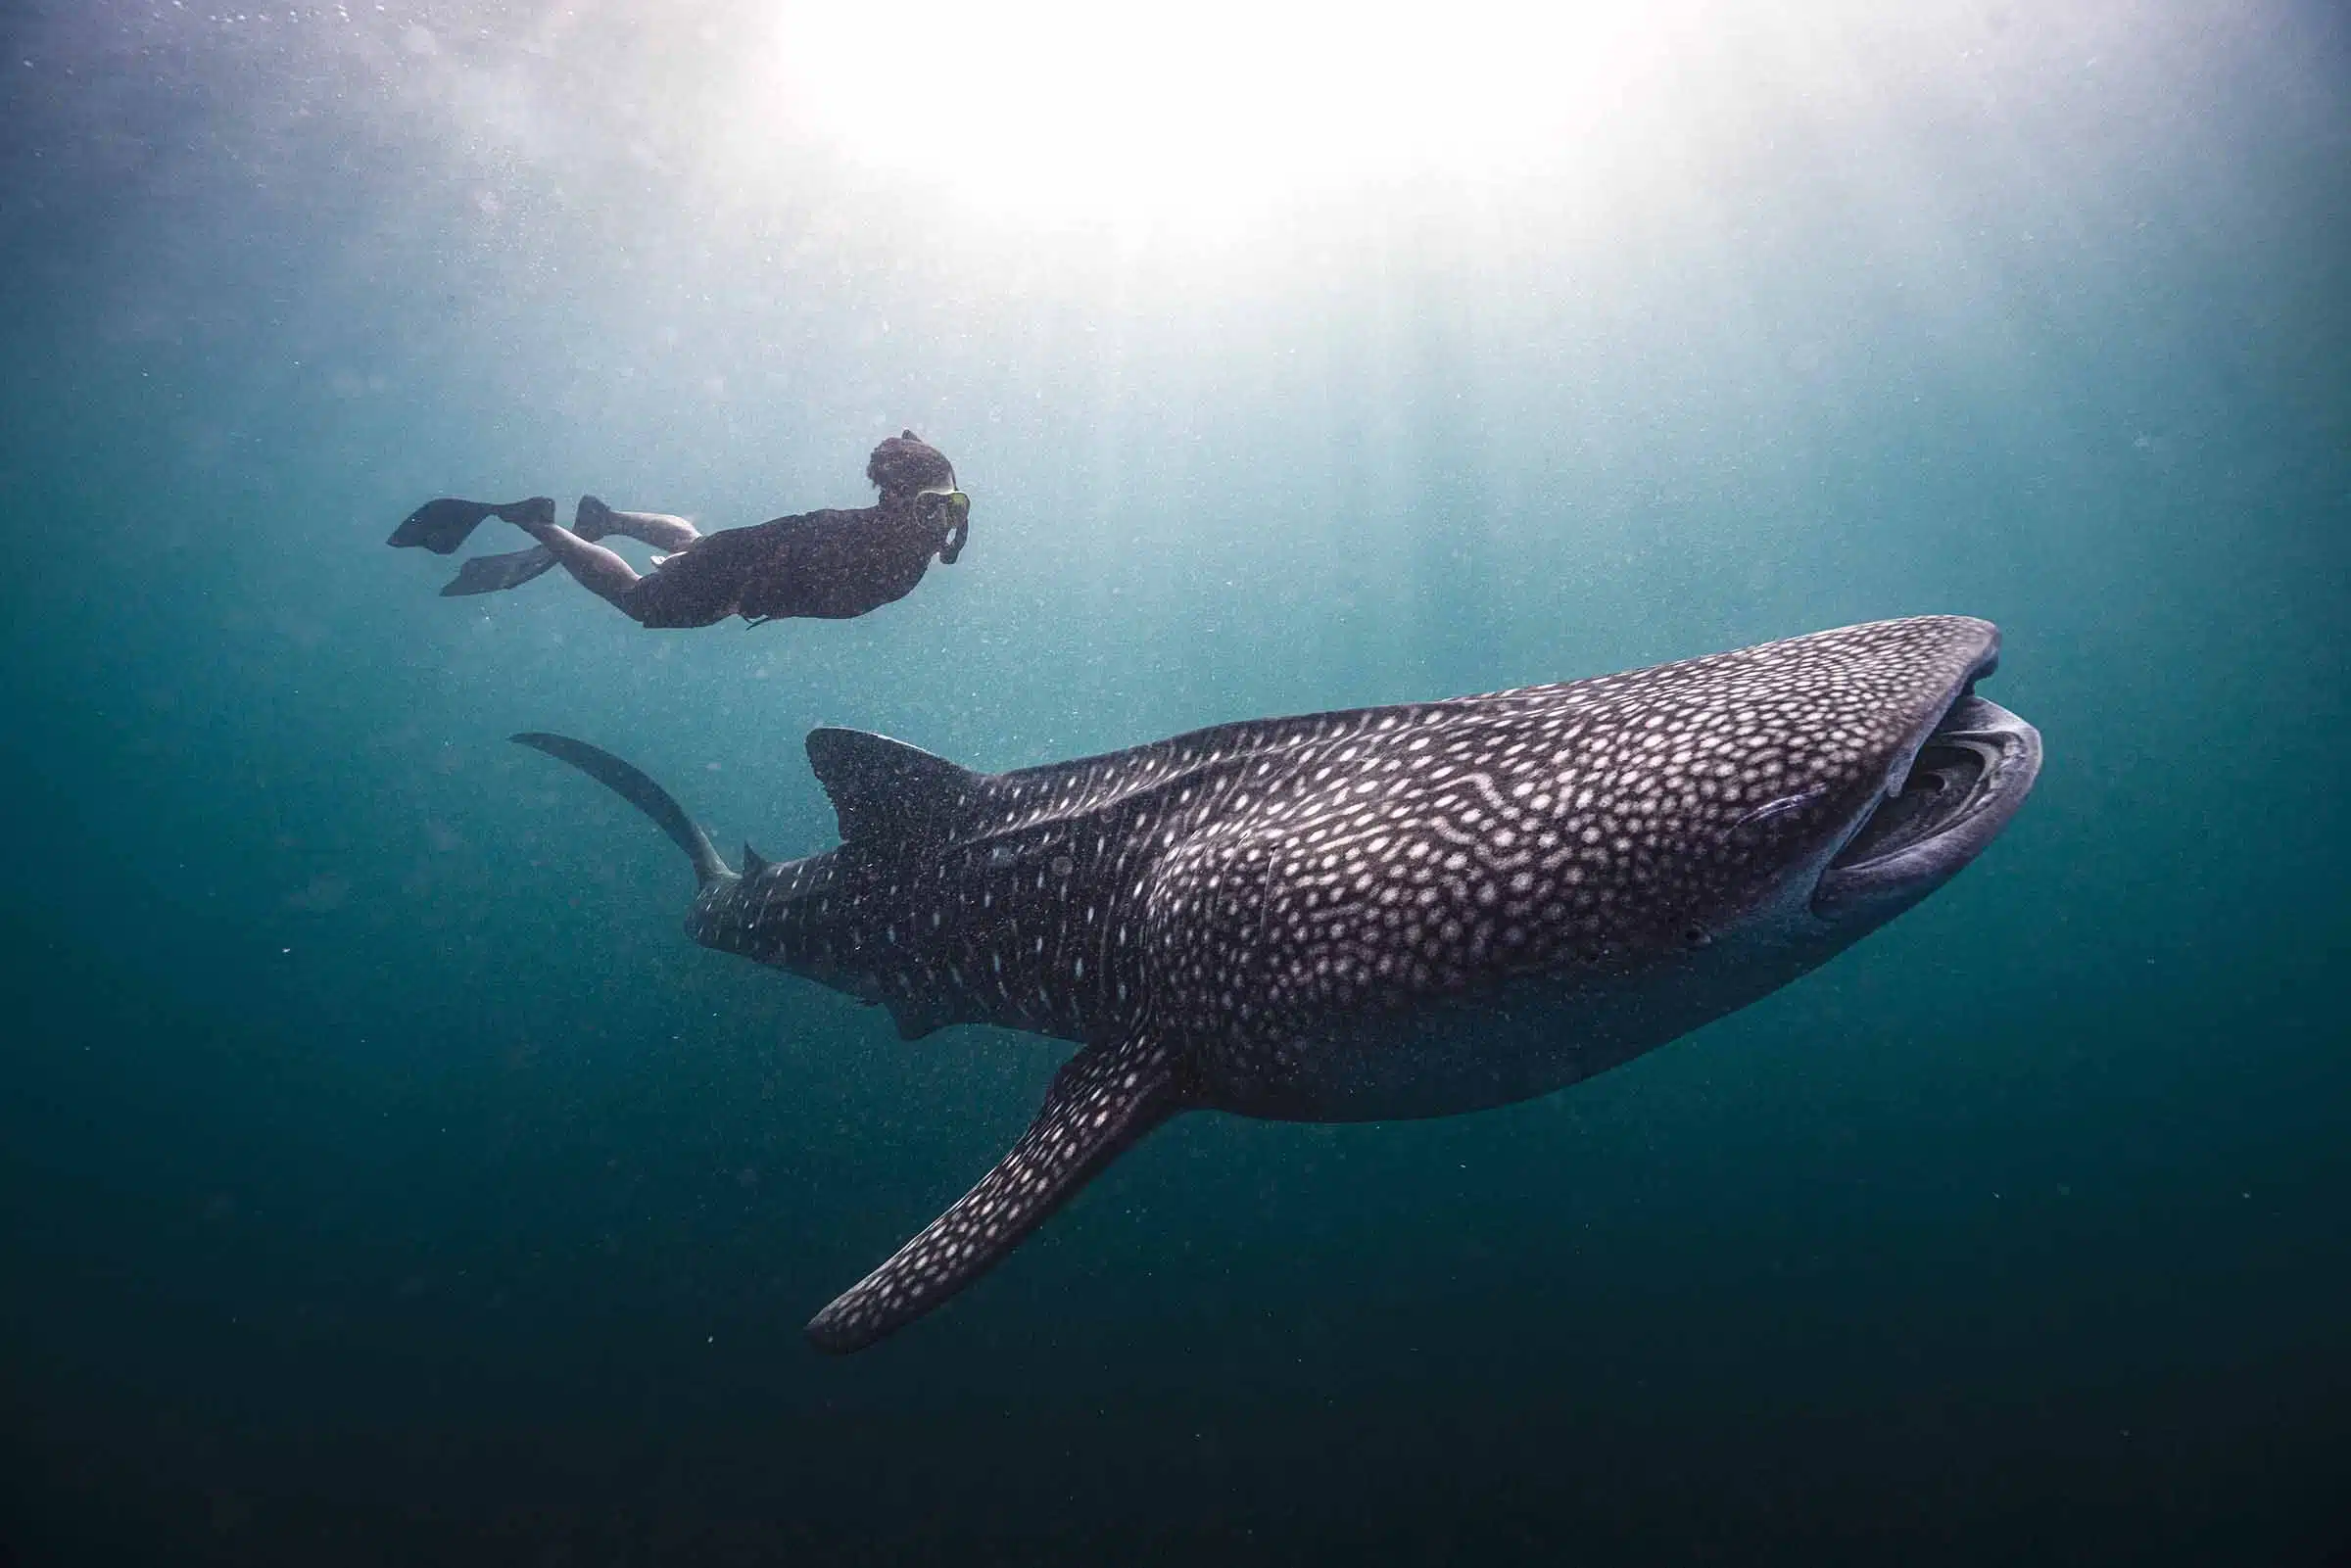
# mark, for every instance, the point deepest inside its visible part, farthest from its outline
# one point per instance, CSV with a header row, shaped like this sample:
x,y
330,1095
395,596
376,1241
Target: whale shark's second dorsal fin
x,y
883,789
1102,1100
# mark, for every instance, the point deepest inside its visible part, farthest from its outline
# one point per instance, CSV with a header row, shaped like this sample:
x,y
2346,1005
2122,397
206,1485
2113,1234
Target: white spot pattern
x,y
1241,887
1102,1101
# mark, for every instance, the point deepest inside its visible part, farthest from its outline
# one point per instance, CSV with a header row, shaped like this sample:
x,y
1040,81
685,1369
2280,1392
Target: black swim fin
x,y
493,574
441,526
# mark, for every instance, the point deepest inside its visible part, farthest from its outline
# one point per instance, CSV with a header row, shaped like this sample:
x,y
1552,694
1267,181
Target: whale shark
x,y
1392,912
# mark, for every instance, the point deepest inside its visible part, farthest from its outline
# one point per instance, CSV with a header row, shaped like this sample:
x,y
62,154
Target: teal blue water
x,y
388,1180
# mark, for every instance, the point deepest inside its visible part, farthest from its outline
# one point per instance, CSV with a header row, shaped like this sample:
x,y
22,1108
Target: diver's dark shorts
x,y
704,585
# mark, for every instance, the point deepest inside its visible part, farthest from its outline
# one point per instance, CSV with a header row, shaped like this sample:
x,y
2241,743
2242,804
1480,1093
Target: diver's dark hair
x,y
906,464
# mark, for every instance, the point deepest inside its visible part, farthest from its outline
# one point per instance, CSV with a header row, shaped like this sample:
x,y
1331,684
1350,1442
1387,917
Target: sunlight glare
x,y
1213,113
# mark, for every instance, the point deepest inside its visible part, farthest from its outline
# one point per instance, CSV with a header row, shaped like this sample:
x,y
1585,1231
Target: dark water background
x,y
386,1179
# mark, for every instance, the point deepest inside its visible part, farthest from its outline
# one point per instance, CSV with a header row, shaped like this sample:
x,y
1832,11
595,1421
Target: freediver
x,y
832,564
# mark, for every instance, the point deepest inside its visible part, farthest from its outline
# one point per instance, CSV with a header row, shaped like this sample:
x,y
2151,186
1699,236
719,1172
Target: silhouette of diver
x,y
832,564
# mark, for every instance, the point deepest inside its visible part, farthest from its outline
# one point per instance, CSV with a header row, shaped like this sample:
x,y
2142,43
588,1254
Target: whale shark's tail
x,y
639,791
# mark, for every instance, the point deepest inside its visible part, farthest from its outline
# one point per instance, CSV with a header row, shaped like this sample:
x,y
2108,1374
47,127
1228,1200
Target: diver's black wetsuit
x,y
830,565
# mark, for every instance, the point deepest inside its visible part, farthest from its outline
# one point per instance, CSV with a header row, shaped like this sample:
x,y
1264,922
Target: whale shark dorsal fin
x,y
883,788
753,862
1102,1101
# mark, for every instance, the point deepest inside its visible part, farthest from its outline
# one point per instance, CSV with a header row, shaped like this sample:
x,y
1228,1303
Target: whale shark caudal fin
x,y
883,789
1103,1100
639,791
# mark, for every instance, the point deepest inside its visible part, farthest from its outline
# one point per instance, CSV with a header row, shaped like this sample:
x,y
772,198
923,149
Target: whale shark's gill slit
x,y
1755,818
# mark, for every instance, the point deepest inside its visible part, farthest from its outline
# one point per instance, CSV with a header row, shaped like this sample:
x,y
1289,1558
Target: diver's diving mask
x,y
958,507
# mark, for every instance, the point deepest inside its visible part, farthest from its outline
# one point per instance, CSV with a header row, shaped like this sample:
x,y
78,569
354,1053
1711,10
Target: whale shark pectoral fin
x,y
882,788
1104,1099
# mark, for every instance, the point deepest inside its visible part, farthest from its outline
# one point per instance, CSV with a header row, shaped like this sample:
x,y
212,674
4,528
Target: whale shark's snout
x,y
1962,767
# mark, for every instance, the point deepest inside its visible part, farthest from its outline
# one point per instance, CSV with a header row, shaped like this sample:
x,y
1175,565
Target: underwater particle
x,y
324,894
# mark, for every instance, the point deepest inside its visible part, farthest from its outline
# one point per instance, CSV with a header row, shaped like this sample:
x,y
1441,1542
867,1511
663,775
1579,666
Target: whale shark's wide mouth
x,y
1948,800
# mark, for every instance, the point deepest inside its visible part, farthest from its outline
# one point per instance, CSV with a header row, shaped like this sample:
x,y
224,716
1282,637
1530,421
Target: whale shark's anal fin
x,y
1105,1098
883,789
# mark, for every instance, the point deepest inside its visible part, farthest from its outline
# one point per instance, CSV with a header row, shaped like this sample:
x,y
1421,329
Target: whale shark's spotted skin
x,y
1400,911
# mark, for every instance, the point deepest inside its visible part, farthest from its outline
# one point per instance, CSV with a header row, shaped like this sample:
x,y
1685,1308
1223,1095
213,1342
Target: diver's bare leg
x,y
493,574
594,567
596,521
